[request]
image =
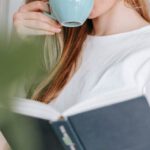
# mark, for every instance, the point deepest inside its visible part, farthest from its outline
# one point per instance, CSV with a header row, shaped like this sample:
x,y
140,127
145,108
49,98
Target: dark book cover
x,y
121,126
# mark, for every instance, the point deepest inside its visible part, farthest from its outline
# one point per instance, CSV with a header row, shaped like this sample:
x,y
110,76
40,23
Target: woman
x,y
109,52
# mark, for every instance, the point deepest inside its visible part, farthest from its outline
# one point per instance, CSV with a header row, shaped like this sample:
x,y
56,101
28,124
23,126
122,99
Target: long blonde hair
x,y
61,53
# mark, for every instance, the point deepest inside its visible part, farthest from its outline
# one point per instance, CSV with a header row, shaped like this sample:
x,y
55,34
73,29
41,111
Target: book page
x,y
104,100
44,111
34,109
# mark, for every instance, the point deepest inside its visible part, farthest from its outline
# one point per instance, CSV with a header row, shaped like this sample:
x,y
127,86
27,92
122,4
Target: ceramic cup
x,y
70,13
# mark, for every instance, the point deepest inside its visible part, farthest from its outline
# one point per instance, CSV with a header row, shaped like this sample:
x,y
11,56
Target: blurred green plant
x,y
18,60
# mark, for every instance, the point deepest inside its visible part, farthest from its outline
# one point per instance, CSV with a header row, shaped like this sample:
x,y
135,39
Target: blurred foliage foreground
x,y
17,58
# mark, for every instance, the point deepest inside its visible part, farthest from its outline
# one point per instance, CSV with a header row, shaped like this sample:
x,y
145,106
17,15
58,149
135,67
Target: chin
x,y
93,15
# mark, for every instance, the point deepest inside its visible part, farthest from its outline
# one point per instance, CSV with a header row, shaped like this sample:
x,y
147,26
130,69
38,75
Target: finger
x,y
38,16
34,24
35,6
27,31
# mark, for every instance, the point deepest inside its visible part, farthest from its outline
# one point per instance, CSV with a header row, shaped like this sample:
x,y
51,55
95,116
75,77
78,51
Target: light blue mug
x,y
70,13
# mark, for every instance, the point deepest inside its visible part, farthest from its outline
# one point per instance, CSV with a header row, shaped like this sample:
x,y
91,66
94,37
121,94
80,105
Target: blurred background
x,y
10,55
7,9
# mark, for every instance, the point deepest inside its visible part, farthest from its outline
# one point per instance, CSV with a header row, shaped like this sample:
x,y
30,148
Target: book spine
x,y
66,135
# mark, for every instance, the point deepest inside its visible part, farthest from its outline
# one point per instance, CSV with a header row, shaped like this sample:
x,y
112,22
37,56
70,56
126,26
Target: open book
x,y
114,121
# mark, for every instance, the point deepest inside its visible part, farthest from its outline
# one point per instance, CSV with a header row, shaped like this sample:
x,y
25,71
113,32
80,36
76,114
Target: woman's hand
x,y
30,20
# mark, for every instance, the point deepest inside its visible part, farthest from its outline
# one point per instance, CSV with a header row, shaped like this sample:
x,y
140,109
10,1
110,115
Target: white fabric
x,y
109,63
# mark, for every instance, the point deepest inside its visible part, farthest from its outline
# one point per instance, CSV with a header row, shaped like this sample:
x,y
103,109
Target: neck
x,y
120,18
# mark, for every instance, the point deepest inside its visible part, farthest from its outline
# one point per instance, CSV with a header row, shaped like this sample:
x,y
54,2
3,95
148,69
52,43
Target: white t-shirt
x,y
109,63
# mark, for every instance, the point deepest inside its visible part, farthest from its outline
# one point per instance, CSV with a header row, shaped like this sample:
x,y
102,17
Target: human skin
x,y
30,20
114,16
106,16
